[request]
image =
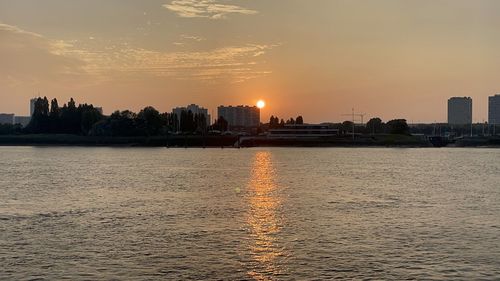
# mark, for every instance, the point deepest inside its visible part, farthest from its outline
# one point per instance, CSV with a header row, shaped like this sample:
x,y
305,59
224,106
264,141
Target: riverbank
x,y
385,140
381,140
210,141
157,141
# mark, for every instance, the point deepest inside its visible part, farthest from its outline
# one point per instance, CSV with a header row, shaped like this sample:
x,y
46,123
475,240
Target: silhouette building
x,y
6,118
195,109
23,120
460,110
494,109
240,116
32,106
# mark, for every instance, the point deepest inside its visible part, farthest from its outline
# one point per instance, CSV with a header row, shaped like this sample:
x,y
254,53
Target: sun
x,y
261,104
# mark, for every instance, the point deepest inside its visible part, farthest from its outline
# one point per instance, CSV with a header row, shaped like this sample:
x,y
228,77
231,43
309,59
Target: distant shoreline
x,y
403,141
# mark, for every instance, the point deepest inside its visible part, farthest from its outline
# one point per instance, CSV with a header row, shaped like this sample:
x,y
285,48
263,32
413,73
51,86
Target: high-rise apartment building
x,y
460,110
32,105
494,109
240,116
195,109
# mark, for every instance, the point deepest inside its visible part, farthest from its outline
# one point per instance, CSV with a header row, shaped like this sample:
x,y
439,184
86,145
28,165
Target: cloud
x,y
205,9
30,57
192,37
236,63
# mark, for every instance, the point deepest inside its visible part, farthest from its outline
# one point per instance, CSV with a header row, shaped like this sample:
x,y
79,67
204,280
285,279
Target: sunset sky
x,y
317,58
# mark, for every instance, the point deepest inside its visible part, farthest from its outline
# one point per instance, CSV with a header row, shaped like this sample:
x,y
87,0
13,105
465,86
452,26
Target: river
x,y
80,213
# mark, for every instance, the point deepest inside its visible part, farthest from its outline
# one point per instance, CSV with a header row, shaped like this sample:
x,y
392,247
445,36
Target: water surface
x,y
252,214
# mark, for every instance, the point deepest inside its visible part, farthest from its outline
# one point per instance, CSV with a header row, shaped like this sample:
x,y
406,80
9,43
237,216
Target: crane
x,y
353,115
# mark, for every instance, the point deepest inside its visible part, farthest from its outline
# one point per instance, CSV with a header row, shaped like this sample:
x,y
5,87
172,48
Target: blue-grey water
x,y
249,214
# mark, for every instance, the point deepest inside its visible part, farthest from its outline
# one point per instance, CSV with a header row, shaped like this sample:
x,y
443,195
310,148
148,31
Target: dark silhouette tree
x,y
88,116
299,120
150,121
54,108
398,126
54,117
375,126
201,123
274,122
221,124
70,118
347,126
271,122
40,122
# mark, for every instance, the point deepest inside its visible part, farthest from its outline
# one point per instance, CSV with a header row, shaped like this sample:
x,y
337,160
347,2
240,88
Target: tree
x,y
398,126
274,122
54,117
299,120
54,108
221,124
374,126
201,122
71,104
347,126
68,119
40,122
282,123
88,116
122,123
150,120
187,121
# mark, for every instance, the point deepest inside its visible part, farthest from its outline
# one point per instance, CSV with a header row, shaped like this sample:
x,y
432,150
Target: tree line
x,y
68,119
275,122
376,126
85,119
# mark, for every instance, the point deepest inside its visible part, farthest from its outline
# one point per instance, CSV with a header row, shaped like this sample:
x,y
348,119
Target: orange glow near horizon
x,y
182,52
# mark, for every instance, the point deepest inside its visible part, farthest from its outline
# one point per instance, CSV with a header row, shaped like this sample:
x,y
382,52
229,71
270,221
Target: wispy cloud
x,y
192,37
30,57
236,63
16,30
29,54
212,9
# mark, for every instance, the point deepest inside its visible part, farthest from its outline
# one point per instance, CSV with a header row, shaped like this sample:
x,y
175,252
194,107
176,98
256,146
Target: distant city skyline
x,y
459,111
388,59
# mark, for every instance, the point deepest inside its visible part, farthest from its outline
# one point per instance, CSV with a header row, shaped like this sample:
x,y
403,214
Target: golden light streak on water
x,y
263,218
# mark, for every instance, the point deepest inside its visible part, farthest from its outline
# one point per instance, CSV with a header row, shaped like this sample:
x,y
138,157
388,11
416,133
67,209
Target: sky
x,y
315,58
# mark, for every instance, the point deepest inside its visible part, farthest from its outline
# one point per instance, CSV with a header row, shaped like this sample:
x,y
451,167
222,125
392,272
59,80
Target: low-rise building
x,y
23,120
303,131
6,118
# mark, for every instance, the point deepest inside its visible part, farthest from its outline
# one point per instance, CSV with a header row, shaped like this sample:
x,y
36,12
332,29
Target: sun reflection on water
x,y
264,219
